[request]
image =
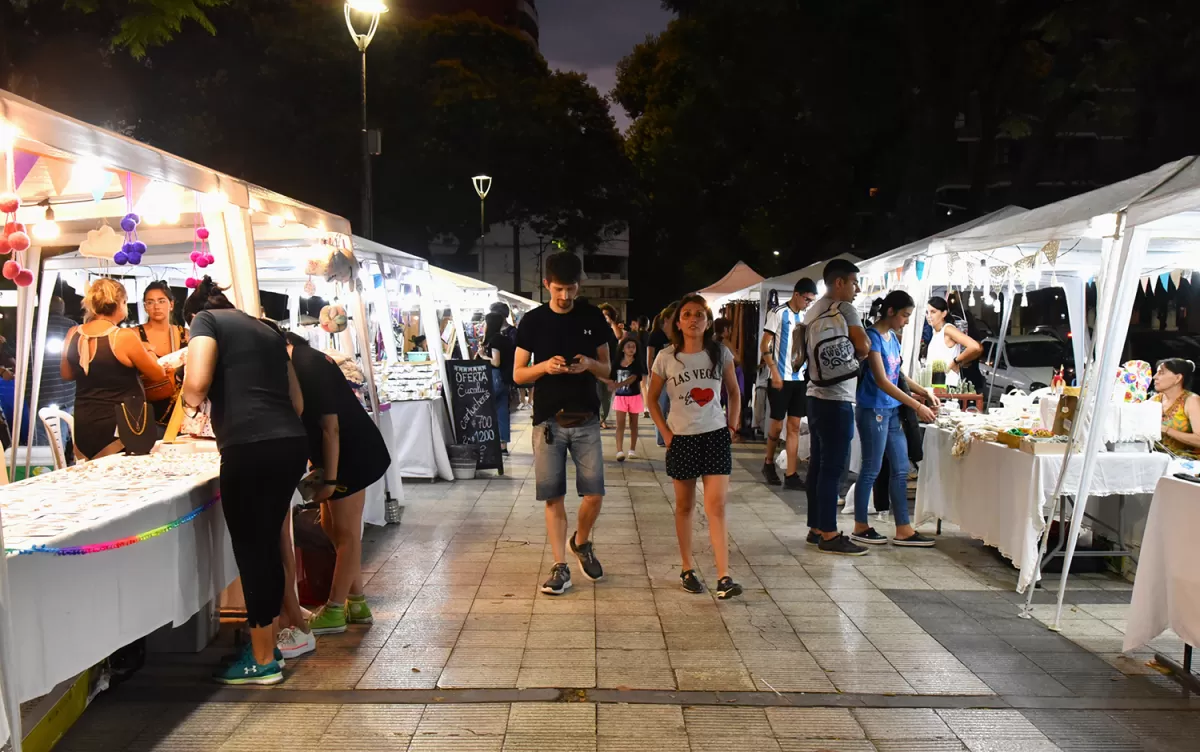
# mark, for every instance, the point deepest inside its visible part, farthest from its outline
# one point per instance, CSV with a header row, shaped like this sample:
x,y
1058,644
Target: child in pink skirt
x,y
627,401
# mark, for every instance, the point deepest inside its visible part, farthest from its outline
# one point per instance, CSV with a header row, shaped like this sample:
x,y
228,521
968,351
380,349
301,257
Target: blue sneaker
x,y
245,670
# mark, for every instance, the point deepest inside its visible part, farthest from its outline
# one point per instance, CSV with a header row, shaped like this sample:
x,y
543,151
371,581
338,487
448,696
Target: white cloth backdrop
x,y
417,432
1000,495
1166,592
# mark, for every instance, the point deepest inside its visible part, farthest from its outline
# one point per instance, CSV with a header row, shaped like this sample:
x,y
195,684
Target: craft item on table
x,y
939,373
1058,381
333,319
401,381
1133,381
1064,414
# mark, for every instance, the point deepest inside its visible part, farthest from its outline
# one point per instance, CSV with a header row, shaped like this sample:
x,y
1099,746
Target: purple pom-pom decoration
x,y
138,247
135,258
130,222
121,258
127,247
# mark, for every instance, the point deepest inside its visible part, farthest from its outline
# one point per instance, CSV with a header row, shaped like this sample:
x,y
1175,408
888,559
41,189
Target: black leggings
x,y
257,482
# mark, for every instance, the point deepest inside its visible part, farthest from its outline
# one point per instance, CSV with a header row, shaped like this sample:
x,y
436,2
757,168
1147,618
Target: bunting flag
x,y
1176,276
1051,251
136,185
920,270
60,174
1145,283
23,162
1164,279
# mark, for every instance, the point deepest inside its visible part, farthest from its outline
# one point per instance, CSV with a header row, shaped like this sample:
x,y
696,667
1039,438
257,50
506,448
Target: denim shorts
x,y
551,442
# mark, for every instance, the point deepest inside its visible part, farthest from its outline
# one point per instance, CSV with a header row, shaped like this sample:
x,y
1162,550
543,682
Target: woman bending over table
x,y
1180,408
949,345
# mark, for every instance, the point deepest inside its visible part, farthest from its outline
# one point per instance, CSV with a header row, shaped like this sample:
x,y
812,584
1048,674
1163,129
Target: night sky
x,y
591,37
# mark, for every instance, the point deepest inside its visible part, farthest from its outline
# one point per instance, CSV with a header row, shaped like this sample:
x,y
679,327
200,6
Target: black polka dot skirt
x,y
692,457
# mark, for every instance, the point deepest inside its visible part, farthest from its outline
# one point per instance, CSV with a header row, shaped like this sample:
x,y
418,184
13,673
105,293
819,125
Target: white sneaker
x,y
294,643
620,456
632,455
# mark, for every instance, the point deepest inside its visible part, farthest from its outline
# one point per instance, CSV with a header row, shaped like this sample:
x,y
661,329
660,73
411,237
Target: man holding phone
x,y
569,343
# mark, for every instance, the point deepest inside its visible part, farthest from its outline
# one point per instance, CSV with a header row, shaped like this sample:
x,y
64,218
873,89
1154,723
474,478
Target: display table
x,y
964,400
417,432
70,612
1000,495
1166,592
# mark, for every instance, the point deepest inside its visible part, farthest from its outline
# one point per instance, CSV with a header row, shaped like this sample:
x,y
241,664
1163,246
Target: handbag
x,y
136,428
165,389
567,419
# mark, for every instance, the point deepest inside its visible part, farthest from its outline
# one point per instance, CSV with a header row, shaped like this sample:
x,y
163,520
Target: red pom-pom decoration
x,y
191,283
202,233
24,278
9,202
11,269
5,248
19,241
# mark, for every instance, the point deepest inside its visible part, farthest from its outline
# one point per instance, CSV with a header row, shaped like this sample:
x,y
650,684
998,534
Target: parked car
x,y
1027,363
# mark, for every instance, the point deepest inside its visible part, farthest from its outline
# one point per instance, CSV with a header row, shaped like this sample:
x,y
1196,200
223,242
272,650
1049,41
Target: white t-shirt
x,y
786,326
843,392
693,385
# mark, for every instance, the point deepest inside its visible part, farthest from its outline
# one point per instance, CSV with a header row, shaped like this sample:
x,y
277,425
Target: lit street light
x,y
371,10
483,185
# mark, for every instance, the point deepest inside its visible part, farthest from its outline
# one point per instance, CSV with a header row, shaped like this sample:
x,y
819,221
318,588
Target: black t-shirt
x,y
249,393
506,345
545,334
326,392
658,341
637,368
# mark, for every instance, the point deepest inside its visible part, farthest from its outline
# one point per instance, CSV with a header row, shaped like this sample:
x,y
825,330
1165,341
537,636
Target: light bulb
x,y
8,135
1025,299
47,229
276,221
971,300
90,174
996,305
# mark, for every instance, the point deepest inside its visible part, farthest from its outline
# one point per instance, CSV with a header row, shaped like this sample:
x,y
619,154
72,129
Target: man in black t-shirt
x,y
569,344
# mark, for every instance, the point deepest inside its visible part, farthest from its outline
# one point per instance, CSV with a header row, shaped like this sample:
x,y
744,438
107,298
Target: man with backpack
x,y
836,344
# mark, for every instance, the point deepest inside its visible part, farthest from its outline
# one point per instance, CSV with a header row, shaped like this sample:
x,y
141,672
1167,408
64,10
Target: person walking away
x,y
608,384
107,365
877,415
691,372
160,336
242,366
627,401
498,350
836,343
570,342
722,330
346,446
783,334
1180,407
658,340
948,344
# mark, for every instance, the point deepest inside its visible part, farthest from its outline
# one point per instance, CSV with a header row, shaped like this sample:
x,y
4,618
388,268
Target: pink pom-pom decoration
x,y
9,202
24,278
12,227
202,263
5,248
191,283
196,256
202,233
121,258
19,241
11,269
211,259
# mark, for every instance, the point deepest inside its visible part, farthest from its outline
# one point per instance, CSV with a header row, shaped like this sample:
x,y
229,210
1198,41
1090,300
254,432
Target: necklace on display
x,y
145,419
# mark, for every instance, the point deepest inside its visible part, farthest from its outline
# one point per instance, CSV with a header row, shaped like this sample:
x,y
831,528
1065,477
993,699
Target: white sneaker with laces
x,y
632,455
620,456
294,642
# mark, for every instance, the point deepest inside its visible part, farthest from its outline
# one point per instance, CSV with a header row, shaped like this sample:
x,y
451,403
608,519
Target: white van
x,y
1027,363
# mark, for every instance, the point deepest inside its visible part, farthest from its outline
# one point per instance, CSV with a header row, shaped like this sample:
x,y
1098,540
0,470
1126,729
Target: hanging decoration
x,y
132,249
201,257
14,238
95,548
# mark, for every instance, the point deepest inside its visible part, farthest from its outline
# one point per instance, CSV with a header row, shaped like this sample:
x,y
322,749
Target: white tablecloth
x,y
417,432
1166,592
1000,495
70,612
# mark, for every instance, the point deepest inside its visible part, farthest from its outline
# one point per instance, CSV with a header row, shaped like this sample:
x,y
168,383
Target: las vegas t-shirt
x,y
693,383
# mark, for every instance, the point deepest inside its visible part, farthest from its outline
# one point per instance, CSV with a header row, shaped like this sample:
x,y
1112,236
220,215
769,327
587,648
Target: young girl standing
x,y
627,402
691,371
878,417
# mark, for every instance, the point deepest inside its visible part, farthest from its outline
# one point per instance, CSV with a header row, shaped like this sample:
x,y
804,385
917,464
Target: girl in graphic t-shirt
x,y
692,371
878,417
627,401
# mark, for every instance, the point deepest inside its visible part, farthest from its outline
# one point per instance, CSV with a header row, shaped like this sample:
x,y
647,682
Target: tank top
x,y
939,350
102,378
1176,417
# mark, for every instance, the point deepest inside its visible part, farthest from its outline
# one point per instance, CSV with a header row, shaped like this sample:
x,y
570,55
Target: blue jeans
x,y
831,429
664,401
881,431
551,443
500,397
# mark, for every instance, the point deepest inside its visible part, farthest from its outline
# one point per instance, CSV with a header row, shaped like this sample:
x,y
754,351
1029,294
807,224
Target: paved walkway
x,y
896,651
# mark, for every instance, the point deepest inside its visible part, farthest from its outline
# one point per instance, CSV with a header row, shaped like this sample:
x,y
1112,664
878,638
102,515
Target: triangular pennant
x,y
23,163
1145,285
101,186
59,172
1176,276
1164,279
1050,250
136,185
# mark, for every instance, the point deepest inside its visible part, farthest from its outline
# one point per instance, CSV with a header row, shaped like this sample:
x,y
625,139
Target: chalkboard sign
x,y
474,409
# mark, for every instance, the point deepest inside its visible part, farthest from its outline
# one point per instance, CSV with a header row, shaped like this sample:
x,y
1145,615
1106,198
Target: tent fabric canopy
x,y
739,277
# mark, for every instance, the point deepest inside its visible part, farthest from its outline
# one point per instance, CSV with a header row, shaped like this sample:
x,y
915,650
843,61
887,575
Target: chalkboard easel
x,y
474,410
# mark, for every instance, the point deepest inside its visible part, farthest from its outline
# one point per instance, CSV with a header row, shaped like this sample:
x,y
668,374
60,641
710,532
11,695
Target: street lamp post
x,y
483,185
372,10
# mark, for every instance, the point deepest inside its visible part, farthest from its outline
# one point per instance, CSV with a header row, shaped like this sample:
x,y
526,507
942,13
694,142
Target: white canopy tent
x,y
460,293
740,277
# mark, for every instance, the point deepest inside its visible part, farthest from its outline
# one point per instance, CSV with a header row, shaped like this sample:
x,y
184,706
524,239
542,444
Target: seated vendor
x,y
1180,407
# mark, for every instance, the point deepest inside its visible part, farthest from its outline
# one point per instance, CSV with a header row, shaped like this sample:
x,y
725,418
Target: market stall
x,y
461,302
517,305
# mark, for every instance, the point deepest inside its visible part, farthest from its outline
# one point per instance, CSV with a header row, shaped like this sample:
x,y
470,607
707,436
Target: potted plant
x,y
939,373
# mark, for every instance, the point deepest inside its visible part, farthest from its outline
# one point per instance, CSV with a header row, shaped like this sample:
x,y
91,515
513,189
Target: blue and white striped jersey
x,y
787,326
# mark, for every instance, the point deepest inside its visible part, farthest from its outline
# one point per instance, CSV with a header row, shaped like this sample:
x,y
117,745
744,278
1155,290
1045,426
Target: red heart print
x,y
702,396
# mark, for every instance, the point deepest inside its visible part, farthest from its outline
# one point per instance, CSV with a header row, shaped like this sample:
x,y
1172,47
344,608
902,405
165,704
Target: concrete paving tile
x,y
634,669
722,722
639,721
293,721
699,640
733,744
913,643
946,683
384,720
902,724
767,640
153,743
1004,744
630,640
570,719
501,606
997,663
701,659
1033,685
454,744
464,721
873,682
665,743
825,745
919,745
826,624
562,622
814,723
556,740
716,679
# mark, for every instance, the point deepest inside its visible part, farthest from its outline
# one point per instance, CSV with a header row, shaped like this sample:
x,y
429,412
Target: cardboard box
x,y
1031,446
1012,441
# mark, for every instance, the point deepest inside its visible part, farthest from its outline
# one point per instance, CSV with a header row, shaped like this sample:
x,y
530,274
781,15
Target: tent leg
x,y
1181,672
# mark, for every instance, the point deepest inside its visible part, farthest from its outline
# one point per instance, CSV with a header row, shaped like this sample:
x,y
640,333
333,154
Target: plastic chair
x,y
52,419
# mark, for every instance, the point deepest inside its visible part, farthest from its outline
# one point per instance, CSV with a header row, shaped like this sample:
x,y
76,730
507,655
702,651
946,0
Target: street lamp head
x,y
483,184
373,7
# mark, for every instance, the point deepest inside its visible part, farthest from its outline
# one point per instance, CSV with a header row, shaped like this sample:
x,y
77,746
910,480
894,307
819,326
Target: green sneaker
x,y
245,670
328,620
358,612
